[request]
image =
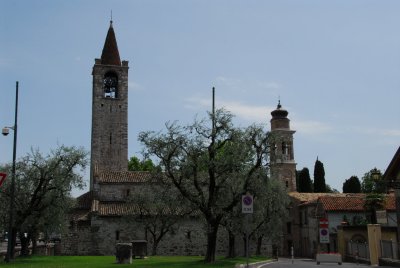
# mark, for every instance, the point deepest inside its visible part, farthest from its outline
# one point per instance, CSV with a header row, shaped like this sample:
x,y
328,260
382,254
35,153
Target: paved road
x,y
306,263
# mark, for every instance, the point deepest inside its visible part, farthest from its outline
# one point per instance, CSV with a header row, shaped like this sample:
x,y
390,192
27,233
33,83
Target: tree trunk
x,y
154,248
259,243
24,245
245,245
211,241
34,243
231,249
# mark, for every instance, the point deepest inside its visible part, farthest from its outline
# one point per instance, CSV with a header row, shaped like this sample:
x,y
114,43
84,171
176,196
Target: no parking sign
x,y
324,231
247,204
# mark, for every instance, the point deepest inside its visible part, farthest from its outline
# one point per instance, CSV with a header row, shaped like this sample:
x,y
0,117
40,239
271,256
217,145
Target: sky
x,y
334,65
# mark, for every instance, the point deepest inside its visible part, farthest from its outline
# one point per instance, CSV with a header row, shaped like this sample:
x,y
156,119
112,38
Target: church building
x,y
104,216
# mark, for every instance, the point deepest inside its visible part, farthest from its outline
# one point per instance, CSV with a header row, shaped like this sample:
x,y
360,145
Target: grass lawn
x,y
109,261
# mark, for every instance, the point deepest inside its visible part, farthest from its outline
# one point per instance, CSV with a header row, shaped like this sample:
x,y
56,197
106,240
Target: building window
x,y
116,235
128,192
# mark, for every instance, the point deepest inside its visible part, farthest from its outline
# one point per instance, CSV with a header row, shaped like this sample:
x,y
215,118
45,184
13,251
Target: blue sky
x,y
334,64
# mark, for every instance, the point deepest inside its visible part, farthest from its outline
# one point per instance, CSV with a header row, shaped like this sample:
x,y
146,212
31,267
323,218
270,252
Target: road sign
x,y
247,204
324,235
324,231
2,178
323,223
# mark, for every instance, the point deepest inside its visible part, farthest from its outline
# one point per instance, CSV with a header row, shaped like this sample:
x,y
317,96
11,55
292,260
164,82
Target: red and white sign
x,y
2,178
323,223
324,231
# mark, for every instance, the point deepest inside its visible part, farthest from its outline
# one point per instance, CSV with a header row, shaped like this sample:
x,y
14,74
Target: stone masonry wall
x,y
188,238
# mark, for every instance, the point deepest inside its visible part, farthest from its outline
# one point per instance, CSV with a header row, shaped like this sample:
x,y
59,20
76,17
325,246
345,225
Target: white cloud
x,y
311,127
134,86
390,132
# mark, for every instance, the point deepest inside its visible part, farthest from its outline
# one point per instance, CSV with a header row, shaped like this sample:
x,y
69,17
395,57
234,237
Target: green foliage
x,y
374,202
305,184
329,189
42,189
370,185
135,164
211,163
352,185
319,177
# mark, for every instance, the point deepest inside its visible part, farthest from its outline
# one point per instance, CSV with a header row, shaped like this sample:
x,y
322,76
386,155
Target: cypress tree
x,y
304,181
319,177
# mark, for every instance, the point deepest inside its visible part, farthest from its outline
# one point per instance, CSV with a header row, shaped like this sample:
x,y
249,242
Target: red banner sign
x,y
2,178
323,223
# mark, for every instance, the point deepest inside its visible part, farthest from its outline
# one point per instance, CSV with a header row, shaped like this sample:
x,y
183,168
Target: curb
x,y
254,264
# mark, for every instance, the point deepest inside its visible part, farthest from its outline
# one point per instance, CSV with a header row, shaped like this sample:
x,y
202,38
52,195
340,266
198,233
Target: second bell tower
x,y
282,164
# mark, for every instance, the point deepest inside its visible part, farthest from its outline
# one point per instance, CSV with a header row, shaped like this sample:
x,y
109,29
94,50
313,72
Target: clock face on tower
x,y
110,85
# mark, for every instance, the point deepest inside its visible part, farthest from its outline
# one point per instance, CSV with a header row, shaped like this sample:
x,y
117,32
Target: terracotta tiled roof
x,y
110,54
351,203
117,209
125,177
311,197
84,201
124,209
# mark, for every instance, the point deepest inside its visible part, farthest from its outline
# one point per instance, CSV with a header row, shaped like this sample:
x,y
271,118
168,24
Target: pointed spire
x,y
110,54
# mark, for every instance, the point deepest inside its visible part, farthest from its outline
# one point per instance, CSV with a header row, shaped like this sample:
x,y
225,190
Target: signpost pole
x,y
247,208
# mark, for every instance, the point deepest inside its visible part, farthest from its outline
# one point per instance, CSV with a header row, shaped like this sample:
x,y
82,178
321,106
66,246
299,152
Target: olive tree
x,y
42,191
210,162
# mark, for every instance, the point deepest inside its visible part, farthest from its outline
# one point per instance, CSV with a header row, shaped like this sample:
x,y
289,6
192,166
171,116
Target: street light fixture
x,y
376,174
5,132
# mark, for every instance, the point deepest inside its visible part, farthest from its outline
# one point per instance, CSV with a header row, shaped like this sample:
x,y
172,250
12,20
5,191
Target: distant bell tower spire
x,y
109,146
282,164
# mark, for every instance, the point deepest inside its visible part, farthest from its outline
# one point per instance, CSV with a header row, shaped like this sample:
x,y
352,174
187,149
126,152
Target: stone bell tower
x,y
282,164
109,147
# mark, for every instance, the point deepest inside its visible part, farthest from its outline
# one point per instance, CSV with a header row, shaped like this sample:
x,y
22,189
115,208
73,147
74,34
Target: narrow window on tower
x,y
116,235
110,85
284,148
110,138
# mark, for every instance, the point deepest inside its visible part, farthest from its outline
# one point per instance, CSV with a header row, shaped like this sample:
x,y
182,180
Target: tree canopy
x,y
305,184
211,163
352,185
135,164
42,192
370,184
319,177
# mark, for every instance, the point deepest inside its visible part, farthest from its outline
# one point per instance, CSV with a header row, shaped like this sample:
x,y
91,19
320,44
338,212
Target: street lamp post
x,y
10,248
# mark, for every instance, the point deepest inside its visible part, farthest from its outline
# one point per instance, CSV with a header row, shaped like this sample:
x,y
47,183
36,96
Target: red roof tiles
x,y
125,177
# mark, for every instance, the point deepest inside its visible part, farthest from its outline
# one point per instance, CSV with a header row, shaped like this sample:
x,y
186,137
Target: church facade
x,y
104,216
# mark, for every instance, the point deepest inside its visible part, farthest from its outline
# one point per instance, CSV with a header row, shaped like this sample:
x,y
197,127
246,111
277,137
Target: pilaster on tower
x,y
282,163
